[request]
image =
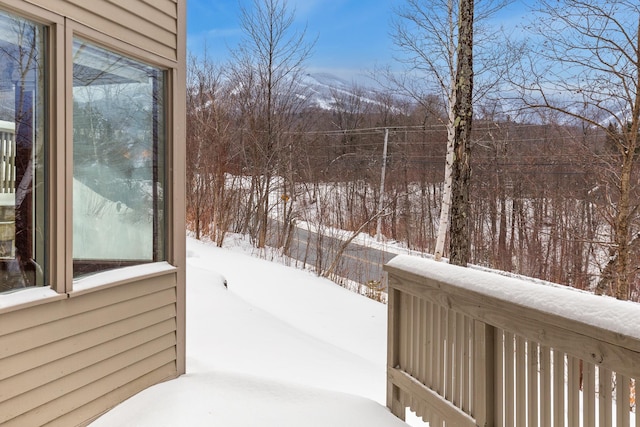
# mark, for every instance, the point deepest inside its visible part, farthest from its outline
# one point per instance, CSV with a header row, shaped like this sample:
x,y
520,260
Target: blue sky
x,y
352,35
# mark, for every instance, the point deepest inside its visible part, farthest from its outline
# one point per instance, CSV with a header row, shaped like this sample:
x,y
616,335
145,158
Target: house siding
x,y
67,361
68,358
151,26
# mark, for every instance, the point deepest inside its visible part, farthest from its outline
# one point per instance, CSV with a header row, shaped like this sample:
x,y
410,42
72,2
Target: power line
x,y
512,126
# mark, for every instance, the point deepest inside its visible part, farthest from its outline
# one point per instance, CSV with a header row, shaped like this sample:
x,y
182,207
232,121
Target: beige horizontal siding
x,y
44,355
165,19
66,405
16,321
83,358
168,7
152,26
74,358
82,415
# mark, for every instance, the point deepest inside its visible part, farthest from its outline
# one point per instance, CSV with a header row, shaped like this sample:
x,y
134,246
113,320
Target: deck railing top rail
x,y
615,320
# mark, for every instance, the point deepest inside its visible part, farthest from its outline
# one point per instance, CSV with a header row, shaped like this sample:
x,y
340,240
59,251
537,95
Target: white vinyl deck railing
x,y
7,157
475,348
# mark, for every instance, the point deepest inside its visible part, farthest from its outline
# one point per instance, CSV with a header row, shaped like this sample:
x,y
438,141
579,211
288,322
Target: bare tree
x,y
588,68
268,63
210,151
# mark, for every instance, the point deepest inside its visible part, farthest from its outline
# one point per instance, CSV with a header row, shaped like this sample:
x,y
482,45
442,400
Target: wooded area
x,y
554,183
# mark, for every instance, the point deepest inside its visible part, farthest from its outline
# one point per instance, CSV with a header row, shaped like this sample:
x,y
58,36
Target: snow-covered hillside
x,y
326,91
279,347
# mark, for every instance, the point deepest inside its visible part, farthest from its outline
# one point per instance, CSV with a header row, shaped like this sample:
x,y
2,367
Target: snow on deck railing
x,y
7,157
474,348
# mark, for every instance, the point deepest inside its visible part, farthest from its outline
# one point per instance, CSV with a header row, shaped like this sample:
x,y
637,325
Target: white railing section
x,y
474,348
7,157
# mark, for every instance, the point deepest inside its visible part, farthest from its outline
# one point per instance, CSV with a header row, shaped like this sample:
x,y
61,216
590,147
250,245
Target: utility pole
x,y
384,171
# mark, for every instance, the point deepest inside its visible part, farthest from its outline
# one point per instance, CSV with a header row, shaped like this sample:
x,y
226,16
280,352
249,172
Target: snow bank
x,y
279,347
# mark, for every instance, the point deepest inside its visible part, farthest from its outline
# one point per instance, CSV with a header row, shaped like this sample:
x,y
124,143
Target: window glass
x,y
118,160
22,153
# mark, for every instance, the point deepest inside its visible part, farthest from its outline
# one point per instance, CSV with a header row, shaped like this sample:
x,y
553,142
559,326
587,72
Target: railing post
x,y
484,374
393,350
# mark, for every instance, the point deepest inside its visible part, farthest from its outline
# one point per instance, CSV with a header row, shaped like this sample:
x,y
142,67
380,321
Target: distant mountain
x,y
329,92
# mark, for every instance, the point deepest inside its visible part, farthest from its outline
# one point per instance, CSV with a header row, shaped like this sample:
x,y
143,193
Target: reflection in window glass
x,y
22,153
118,160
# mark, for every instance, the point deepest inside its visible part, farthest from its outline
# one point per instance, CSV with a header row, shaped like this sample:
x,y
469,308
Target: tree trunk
x,y
621,233
461,171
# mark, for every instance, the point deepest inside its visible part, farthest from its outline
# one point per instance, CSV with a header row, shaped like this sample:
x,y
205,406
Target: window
x,y
118,158
22,153
118,145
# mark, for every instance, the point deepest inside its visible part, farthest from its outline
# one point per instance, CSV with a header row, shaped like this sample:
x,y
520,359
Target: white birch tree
x,y
426,34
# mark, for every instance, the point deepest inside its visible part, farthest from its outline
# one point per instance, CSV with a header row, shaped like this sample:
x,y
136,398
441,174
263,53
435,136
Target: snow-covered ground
x,y
280,347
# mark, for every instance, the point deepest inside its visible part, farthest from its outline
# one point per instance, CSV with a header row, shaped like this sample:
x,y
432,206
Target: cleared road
x,y
358,263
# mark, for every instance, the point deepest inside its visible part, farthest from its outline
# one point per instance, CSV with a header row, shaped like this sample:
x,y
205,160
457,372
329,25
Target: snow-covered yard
x,y
279,347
